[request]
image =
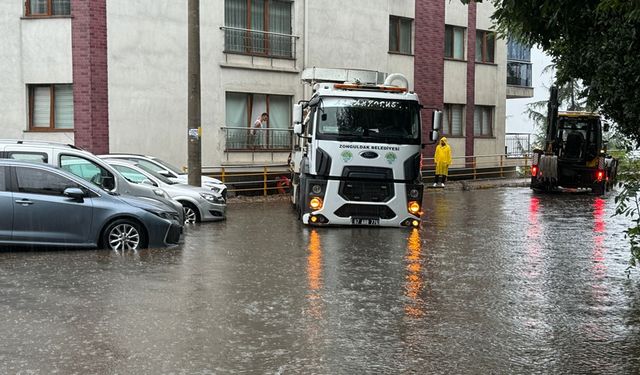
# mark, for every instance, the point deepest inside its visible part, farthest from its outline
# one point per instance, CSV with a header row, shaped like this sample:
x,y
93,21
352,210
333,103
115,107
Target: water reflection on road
x,y
495,281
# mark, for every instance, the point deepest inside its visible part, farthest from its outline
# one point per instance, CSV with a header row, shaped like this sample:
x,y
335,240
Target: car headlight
x,y
165,214
212,198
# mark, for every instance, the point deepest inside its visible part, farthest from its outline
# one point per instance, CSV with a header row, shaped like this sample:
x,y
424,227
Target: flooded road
x,y
495,281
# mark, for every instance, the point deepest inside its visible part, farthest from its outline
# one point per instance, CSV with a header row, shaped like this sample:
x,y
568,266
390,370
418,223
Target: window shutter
x,y
41,107
63,106
456,120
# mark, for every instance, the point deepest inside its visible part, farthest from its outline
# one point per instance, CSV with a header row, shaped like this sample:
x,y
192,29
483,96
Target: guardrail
x,y
276,178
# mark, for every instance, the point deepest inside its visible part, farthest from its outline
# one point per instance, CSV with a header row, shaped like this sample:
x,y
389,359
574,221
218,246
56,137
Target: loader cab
x,y
579,137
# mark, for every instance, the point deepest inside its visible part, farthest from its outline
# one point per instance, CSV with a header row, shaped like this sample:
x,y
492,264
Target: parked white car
x,y
200,204
173,173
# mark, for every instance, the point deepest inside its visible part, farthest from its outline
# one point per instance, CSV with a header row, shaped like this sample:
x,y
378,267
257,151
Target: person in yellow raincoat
x,y
442,159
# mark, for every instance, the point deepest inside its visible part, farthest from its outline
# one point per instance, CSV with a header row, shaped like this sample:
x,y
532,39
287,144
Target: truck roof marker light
x,y
315,203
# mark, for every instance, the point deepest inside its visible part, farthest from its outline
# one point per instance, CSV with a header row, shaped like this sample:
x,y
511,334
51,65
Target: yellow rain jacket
x,y
443,157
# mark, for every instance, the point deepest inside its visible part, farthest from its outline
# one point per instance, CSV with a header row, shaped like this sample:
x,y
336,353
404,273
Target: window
x,y
47,8
483,121
453,115
258,27
131,174
485,46
39,157
88,170
400,35
243,109
454,42
35,181
43,116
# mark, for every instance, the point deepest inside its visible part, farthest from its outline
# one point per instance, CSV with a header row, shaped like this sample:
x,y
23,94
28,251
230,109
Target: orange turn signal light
x,y
315,203
414,207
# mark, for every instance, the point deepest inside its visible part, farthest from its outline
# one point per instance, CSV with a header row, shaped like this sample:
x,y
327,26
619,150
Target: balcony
x,y
257,140
519,71
259,43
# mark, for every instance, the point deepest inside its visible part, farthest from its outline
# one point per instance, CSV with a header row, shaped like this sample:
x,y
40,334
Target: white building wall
x,y
33,51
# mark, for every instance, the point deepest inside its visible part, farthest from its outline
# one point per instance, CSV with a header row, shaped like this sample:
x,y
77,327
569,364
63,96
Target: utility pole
x,y
194,131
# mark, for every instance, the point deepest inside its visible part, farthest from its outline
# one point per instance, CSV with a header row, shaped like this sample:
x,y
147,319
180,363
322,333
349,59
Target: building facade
x,y
111,75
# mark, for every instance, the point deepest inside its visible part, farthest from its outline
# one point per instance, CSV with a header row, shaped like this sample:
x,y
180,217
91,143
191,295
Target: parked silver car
x,y
169,171
199,204
83,164
45,206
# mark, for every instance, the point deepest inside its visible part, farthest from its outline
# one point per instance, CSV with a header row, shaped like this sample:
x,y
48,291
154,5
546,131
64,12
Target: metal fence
x,y
251,139
276,178
517,145
260,43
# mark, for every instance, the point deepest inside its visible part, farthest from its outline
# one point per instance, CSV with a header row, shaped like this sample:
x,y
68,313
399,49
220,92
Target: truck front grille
x,y
366,191
361,210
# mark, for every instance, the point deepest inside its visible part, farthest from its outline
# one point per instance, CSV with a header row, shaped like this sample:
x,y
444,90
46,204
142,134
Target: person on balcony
x,y
442,159
254,135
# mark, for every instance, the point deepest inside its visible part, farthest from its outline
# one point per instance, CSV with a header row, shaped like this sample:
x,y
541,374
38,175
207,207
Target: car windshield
x,y
155,174
168,166
369,120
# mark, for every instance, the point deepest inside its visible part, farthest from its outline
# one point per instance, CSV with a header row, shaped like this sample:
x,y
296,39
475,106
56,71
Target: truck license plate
x,y
365,221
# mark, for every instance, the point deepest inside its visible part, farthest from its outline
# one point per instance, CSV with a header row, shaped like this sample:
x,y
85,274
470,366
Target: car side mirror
x,y
74,193
165,173
433,136
436,120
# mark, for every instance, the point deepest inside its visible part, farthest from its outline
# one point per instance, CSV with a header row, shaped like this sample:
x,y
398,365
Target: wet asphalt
x,y
495,281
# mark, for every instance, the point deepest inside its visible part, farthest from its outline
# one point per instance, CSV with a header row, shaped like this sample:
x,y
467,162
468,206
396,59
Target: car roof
x,y
38,143
117,154
46,166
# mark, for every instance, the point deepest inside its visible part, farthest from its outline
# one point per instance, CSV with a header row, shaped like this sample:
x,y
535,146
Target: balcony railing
x,y
519,73
259,43
246,139
517,145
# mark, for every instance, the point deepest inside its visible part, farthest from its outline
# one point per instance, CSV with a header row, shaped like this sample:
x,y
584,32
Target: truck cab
x,y
357,157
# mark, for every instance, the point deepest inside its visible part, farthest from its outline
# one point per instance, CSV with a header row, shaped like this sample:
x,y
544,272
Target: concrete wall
x,y
33,51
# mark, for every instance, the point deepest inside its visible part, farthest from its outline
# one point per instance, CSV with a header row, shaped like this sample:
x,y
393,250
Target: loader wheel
x,y
599,188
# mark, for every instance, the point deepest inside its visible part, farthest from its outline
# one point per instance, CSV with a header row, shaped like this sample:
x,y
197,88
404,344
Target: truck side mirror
x,y
436,120
433,136
297,114
297,129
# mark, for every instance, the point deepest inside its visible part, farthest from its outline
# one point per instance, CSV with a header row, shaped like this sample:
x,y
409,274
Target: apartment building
x,y
111,75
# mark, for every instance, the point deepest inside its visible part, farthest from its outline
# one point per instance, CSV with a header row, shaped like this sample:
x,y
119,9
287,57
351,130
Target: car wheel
x,y
124,234
190,214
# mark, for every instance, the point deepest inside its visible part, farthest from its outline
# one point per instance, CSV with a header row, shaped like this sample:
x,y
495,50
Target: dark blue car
x,y
41,205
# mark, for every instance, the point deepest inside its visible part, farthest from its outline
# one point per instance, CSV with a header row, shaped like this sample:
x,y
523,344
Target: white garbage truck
x,y
356,155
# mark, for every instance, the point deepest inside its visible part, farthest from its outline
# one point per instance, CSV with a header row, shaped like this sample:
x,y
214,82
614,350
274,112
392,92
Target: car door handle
x,y
24,202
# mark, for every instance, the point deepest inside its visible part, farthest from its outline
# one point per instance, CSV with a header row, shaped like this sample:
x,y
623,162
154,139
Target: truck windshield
x,y
369,120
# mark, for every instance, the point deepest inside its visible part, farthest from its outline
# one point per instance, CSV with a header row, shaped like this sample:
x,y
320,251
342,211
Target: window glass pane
x,y
448,41
446,126
87,170
61,7
280,22
130,174
477,119
486,121
235,15
279,121
38,7
393,34
257,23
236,110
456,120
36,181
41,115
28,156
479,36
2,179
458,43
405,36
491,45
63,109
